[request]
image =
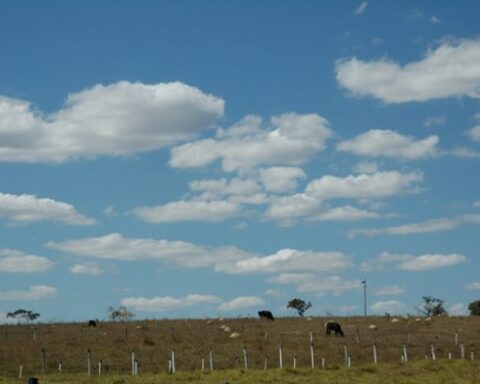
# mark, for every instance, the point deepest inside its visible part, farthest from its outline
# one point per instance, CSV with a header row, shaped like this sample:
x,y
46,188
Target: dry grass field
x,y
153,341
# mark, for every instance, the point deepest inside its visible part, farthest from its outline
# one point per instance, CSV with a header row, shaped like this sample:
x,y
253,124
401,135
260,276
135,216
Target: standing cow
x,y
332,326
265,315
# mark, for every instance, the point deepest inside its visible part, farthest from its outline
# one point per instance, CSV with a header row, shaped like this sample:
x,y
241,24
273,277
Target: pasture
x,y
261,344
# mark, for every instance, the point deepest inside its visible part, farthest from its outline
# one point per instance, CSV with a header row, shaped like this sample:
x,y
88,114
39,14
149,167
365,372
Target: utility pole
x,y
364,282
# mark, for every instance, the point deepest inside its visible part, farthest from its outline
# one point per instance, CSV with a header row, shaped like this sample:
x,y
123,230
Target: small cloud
x,y
86,269
390,306
35,292
378,41
275,292
434,120
435,20
458,309
391,290
110,211
475,285
361,8
13,261
241,303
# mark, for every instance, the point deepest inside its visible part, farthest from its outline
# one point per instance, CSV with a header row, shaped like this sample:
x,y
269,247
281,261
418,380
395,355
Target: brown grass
x,y
153,341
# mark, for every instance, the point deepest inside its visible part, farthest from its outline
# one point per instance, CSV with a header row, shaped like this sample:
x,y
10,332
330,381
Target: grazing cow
x,y
333,327
92,323
265,315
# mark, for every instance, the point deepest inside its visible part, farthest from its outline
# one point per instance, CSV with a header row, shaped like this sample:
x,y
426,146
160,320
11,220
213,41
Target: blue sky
x,y
191,159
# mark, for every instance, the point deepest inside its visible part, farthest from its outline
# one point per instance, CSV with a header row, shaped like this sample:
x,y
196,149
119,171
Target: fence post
x,y
294,362
280,356
20,371
323,362
60,366
265,363
169,366
432,350
43,360
345,354
203,363
405,354
173,361
472,356
349,361
311,337
89,362
462,351
357,336
312,356
375,353
456,338
133,363
245,358
100,367
210,357
449,355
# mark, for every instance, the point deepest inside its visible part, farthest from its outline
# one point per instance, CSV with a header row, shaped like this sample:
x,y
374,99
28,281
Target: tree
x,y
299,305
120,313
432,306
474,308
24,315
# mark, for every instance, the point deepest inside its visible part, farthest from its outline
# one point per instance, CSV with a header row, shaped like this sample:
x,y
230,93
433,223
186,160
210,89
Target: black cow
x,y
333,327
265,315
92,323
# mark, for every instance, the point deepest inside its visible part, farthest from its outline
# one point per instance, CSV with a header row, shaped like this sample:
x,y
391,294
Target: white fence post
x,y
345,354
375,353
133,363
405,354
245,358
432,350
210,358
312,357
173,361
280,356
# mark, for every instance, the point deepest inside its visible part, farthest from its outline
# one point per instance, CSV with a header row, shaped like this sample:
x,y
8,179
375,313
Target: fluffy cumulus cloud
x,y
167,303
35,292
320,285
86,269
474,133
16,261
391,306
366,167
429,226
116,247
188,210
386,143
292,139
364,186
29,208
117,119
413,263
450,70
241,303
281,179
292,260
345,213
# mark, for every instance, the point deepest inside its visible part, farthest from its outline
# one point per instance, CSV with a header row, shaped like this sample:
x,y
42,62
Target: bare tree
x,y
432,306
121,313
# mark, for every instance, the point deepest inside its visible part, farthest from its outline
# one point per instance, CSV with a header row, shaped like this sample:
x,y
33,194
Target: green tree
x,y
432,306
23,315
299,305
474,308
120,313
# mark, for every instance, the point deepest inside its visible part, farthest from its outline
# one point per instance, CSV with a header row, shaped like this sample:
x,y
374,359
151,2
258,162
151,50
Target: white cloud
x,y
474,133
346,213
413,263
35,292
364,186
321,285
450,70
29,209
117,119
16,261
293,140
366,167
391,290
474,285
292,260
115,247
458,309
361,8
391,306
241,303
476,204
429,226
166,303
386,143
435,20
434,120
275,292
110,211
86,269
188,210
288,207
281,179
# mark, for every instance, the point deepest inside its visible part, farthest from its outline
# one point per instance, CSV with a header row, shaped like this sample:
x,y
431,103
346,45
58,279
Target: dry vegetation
x,y
153,341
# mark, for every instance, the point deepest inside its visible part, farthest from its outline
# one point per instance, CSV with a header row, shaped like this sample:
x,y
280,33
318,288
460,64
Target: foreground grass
x,y
434,372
